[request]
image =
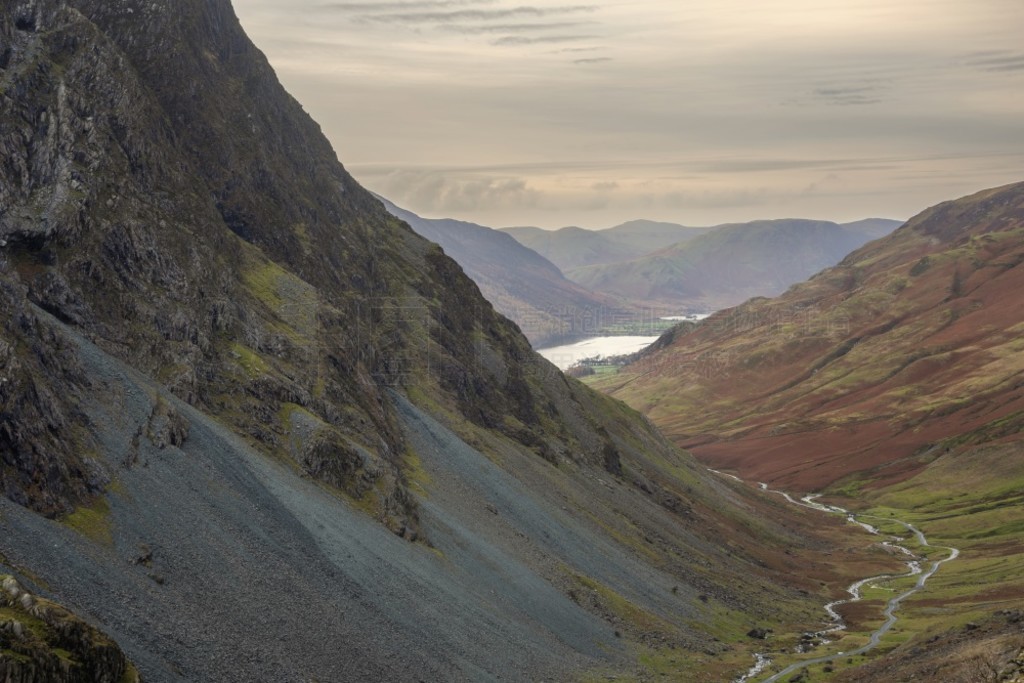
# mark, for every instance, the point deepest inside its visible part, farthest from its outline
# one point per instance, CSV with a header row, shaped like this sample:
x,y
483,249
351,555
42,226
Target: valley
x,y
261,423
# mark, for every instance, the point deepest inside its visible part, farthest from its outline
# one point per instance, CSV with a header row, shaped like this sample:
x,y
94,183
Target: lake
x,y
570,354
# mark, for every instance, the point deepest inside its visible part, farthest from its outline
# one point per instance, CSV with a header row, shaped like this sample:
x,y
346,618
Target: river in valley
x,y
915,567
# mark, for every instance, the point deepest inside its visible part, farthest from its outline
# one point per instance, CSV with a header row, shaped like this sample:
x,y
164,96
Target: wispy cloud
x,y
537,40
472,29
412,5
474,14
441,194
997,61
845,96
592,60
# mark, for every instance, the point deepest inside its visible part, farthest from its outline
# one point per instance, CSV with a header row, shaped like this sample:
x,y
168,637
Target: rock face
x,y
161,192
257,422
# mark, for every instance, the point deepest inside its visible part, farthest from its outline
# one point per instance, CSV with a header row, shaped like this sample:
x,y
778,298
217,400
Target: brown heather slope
x,y
911,346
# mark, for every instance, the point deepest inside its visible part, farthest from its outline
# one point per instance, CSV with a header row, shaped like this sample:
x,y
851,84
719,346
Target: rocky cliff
x,y
162,193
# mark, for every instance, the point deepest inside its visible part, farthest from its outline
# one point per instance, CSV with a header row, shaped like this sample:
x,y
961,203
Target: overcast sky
x,y
693,111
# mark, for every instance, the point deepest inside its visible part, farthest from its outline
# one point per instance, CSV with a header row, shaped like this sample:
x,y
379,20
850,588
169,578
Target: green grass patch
x,y
250,361
93,521
635,617
415,473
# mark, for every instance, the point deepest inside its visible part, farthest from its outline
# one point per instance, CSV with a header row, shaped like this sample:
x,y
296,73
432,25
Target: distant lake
x,y
570,354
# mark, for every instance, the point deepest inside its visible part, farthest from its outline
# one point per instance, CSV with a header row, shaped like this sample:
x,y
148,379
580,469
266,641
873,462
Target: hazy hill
x,y
256,429
873,228
522,284
731,263
573,247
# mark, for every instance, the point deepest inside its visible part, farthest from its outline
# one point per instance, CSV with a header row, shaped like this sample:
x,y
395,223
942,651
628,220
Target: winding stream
x,y
914,568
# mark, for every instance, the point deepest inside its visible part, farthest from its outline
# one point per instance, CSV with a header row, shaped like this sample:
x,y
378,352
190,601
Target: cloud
x,y
437,193
474,14
510,28
856,93
591,60
537,40
413,5
849,95
997,61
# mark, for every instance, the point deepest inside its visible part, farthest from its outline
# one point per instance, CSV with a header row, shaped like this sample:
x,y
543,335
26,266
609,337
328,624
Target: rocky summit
x,y
253,427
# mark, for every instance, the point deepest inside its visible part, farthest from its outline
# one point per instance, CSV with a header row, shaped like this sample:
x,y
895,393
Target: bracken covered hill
x,y
910,346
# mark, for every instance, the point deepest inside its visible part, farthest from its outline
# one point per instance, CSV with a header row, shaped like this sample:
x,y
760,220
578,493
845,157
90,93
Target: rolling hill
x,y
731,263
573,247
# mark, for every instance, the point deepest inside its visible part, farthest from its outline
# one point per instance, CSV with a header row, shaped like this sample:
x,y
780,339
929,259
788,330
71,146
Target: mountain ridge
x,y
729,264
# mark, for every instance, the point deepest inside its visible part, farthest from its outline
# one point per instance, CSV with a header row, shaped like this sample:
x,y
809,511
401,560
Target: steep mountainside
x,y
256,428
728,265
520,283
572,247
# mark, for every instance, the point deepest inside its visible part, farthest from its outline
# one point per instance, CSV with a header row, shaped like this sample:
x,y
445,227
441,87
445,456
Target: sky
x,y
700,112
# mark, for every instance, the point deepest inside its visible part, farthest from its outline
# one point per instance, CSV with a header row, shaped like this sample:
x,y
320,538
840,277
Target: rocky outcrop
x,y
41,642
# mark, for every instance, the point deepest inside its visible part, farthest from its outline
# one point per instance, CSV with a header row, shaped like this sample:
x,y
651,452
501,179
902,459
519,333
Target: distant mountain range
x,y
728,264
572,247
520,283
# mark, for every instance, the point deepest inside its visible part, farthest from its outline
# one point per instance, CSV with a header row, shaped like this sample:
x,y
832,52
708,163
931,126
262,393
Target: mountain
x,y
731,263
253,427
894,383
878,355
520,283
873,228
572,247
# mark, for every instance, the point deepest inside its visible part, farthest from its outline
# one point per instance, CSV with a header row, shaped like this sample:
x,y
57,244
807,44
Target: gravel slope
x,y
260,574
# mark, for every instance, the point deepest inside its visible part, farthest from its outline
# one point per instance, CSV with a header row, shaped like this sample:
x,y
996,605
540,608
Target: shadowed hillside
x,y
520,283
